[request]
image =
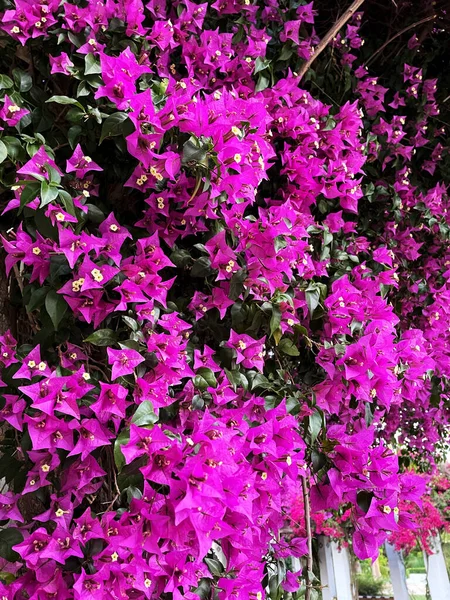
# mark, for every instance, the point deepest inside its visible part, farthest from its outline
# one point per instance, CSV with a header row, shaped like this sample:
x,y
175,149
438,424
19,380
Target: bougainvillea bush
x,y
230,288
430,518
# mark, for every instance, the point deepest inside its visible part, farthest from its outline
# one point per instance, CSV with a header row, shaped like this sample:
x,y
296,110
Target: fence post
x,y
398,573
437,576
327,579
345,590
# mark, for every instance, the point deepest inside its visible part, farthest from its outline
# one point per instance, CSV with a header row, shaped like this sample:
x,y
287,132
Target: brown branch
x,y
32,320
111,504
329,36
6,320
309,566
381,48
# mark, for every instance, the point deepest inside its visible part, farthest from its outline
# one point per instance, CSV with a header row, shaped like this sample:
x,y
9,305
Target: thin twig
x,y
381,48
309,566
32,320
111,504
91,366
329,36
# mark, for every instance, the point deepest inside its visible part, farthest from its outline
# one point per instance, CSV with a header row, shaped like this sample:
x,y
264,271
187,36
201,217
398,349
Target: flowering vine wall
x,y
230,290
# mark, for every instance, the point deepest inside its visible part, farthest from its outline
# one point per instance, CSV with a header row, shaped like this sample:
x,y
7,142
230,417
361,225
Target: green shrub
x,y
416,570
368,586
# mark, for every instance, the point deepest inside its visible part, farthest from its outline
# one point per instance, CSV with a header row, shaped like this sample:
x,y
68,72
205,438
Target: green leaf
x,y
5,82
287,51
56,307
181,258
237,283
65,100
133,492
94,112
9,465
208,376
368,414
215,566
363,499
122,439
315,425
197,402
275,319
288,347
91,65
67,202
102,337
194,152
277,335
312,294
261,381
318,459
133,344
75,115
274,587
3,151
279,243
113,125
132,323
204,589
22,80
7,577
73,134
201,267
95,214
144,415
261,64
53,174
13,146
263,83
237,379
37,298
9,538
130,475
200,383
49,193
29,193
84,89
327,236
76,40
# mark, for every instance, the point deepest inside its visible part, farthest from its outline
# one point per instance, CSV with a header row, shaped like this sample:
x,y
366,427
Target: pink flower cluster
x,y
253,306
